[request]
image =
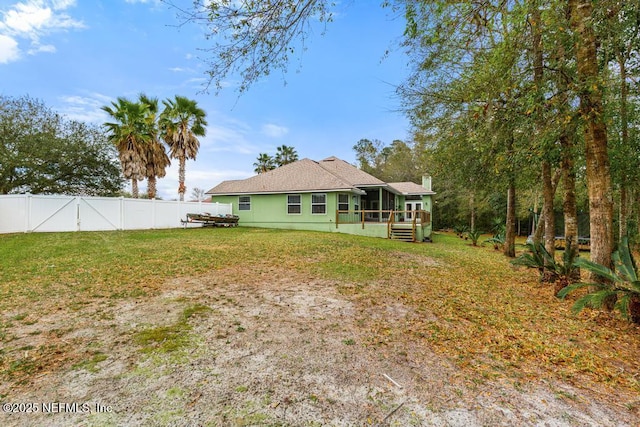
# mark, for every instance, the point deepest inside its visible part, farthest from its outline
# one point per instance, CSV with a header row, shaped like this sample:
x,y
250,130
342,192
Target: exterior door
x,y
410,207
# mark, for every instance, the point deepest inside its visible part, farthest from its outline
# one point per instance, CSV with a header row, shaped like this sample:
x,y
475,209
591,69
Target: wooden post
x,y
413,226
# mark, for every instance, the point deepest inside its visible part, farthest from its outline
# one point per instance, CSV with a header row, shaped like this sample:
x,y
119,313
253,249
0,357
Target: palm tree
x,y
285,155
181,122
264,163
130,135
157,159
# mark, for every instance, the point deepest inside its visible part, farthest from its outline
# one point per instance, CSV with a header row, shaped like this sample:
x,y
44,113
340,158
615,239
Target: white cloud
x,y
85,108
63,4
46,48
167,187
26,18
274,131
154,3
8,49
33,20
198,80
230,138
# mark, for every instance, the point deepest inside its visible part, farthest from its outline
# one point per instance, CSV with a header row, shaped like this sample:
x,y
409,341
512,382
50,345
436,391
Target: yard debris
x,y
392,412
392,380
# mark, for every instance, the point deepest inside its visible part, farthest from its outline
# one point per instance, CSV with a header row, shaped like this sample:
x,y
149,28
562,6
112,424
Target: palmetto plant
x,y
561,273
181,122
620,284
499,231
474,235
497,241
129,133
536,256
460,230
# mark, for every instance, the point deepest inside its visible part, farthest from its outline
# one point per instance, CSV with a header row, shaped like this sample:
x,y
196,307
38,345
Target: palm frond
x,y
598,269
536,257
622,305
594,300
624,262
619,288
562,294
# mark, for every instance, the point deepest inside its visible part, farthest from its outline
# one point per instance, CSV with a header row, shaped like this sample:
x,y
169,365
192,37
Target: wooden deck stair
x,y
404,232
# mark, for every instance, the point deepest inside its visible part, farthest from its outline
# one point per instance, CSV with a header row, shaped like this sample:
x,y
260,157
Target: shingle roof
x,y
349,173
409,188
304,175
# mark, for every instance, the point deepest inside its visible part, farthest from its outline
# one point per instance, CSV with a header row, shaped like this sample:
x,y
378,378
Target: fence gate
x,y
51,213
98,214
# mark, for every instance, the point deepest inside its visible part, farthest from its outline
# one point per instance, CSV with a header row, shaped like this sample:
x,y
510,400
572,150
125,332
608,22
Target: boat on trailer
x,y
209,220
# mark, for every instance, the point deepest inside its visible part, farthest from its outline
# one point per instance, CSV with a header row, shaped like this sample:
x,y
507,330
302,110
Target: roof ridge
x,y
335,174
353,169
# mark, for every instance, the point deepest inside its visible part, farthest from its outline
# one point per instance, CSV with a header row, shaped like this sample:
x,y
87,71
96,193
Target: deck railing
x,y
381,216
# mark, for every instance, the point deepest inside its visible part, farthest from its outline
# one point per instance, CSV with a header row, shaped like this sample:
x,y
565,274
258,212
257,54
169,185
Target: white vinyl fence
x,y
33,213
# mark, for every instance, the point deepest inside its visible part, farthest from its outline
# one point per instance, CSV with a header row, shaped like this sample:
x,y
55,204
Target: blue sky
x,y
77,56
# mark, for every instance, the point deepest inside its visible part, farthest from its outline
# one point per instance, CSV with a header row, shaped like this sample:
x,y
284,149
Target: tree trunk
x,y
592,111
623,214
134,188
546,224
472,207
624,124
151,187
548,194
548,213
537,235
181,175
510,226
510,231
534,222
540,227
569,208
567,166
548,187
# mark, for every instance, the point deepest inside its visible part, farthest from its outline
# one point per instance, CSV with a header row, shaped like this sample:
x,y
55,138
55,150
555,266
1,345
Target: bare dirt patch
x,y
269,346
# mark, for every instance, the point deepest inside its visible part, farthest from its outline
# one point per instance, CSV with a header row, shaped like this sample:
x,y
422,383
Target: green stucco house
x,y
330,195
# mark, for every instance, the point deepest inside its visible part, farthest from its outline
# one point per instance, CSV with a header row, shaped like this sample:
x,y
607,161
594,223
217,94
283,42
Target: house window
x,y
244,203
356,203
294,204
343,202
319,204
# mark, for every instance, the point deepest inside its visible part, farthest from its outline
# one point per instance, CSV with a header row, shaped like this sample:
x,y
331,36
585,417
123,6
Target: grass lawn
x,y
489,319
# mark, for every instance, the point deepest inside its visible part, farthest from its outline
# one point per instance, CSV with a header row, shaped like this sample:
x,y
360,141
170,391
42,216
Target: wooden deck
x,y
401,225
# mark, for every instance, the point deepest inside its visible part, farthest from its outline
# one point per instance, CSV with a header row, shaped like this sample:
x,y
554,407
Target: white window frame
x,y
298,204
323,204
245,203
342,204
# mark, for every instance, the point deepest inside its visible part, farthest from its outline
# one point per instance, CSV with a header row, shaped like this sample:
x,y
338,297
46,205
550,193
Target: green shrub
x,y
474,235
560,273
460,230
620,287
